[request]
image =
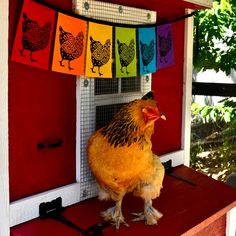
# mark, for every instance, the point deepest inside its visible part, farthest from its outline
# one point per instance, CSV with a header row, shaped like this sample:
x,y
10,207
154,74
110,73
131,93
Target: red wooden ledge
x,y
187,209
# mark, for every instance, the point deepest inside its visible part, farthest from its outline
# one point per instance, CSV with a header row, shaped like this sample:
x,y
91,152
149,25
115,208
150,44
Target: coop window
x,y
106,86
105,113
130,85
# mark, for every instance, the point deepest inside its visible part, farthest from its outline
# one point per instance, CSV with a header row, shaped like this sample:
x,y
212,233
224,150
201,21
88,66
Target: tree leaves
x,y
215,37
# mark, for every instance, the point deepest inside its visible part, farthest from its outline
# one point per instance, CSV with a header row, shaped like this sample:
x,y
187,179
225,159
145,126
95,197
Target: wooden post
x,y
187,87
4,175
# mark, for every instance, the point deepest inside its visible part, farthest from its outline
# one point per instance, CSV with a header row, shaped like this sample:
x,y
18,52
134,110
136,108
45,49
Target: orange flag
x,y
99,51
69,46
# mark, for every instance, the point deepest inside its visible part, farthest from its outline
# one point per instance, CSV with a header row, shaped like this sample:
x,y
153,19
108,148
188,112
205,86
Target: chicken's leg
x,y
114,215
150,214
21,52
127,72
70,68
31,57
99,71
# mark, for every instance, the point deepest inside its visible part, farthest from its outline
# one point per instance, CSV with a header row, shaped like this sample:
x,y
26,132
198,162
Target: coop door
x,y
97,101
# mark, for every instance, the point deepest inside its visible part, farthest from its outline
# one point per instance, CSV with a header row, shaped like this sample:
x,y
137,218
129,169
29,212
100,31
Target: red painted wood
x,y
42,108
167,84
186,208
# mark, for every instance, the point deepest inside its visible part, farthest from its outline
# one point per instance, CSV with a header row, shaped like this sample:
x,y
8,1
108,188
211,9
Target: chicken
x,y
100,54
34,36
147,52
71,47
121,159
165,44
126,54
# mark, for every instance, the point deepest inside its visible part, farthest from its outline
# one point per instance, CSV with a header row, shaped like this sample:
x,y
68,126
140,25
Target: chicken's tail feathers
x,y
61,29
25,16
80,35
149,95
118,42
47,26
91,39
108,41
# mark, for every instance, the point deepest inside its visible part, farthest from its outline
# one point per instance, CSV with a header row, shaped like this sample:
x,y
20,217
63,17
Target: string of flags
x,y
68,44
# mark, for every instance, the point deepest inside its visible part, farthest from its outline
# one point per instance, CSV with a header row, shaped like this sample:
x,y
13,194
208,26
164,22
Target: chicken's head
x,y
151,114
150,110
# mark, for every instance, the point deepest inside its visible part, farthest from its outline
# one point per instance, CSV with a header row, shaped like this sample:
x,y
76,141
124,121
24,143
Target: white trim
x,y
231,222
176,157
28,208
4,155
187,87
204,3
78,132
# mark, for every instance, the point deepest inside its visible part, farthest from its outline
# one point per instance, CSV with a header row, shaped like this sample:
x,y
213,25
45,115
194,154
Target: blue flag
x,y
147,50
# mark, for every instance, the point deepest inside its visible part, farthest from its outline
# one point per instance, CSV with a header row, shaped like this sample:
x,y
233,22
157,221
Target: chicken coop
x,y
47,117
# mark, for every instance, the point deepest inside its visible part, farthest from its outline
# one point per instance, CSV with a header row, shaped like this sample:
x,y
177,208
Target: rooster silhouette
x,y
100,54
71,47
147,52
126,54
165,44
34,37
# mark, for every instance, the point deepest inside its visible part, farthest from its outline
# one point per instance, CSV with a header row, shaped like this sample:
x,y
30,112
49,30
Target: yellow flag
x,y
99,51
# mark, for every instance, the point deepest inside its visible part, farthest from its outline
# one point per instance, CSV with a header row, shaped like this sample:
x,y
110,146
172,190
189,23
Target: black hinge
x,y
54,209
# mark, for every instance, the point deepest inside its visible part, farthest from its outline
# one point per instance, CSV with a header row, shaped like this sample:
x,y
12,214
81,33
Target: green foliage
x,y
224,111
215,37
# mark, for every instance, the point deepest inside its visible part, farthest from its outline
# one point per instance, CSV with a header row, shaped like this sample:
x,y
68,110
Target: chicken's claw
x,y
150,216
114,216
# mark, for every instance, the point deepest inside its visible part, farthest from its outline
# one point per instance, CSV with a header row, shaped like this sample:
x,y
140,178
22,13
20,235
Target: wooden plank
x,y
4,175
214,89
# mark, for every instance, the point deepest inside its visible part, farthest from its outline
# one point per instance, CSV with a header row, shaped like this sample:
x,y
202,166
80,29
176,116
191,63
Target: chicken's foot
x,y
70,68
114,215
21,52
31,57
150,214
95,71
99,71
61,63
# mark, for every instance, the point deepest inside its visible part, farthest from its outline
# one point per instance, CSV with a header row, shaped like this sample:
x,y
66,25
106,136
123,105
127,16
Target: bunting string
x,y
89,47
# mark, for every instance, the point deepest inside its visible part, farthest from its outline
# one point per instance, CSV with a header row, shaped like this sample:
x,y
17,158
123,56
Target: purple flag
x,y
165,49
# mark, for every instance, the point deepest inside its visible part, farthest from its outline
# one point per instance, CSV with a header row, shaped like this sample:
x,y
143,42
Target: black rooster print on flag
x,y
34,37
100,54
126,53
71,47
147,52
165,46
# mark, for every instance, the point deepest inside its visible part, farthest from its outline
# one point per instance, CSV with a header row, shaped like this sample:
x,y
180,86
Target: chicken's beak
x,y
162,116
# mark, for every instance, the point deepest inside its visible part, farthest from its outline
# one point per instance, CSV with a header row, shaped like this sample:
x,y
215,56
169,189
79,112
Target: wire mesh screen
x,y
99,99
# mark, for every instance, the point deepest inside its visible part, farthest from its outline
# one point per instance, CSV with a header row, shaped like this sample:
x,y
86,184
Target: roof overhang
x,y
201,3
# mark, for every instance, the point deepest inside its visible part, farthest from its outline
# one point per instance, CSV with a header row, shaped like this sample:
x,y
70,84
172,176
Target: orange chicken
x,y
121,159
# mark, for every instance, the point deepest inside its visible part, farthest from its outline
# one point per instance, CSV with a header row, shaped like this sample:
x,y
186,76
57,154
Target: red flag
x,y
33,38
